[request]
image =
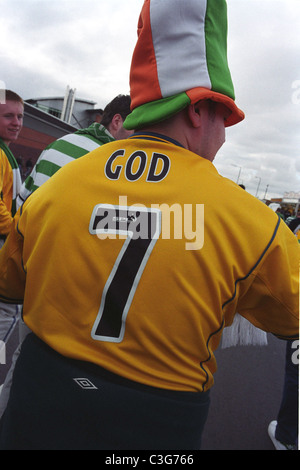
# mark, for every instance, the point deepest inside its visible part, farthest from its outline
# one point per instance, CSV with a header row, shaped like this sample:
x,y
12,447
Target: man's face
x,y
11,120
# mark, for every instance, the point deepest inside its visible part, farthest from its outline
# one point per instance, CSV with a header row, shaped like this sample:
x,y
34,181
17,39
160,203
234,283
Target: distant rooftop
x,y
77,112
48,98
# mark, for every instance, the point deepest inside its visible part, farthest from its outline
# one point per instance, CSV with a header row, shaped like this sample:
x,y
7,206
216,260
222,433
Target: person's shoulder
x,y
3,158
244,203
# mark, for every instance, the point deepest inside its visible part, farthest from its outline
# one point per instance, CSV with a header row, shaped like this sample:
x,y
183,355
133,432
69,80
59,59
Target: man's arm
x,y
270,295
12,274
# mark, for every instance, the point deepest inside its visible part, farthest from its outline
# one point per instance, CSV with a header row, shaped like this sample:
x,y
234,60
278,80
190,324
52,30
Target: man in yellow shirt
x,y
132,259
11,122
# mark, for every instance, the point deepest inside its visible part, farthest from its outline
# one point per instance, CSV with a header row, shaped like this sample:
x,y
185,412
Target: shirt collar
x,y
156,137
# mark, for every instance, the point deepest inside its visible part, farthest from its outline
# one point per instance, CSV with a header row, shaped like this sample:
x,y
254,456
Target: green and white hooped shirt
x,y
61,152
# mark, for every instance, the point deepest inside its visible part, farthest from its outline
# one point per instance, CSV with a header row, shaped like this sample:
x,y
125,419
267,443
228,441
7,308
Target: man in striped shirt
x,y
72,146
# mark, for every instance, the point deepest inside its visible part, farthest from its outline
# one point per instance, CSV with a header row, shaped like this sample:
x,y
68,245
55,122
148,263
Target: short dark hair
x,y
11,96
119,105
211,106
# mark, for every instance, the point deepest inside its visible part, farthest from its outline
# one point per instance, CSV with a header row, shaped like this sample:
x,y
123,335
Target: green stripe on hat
x,y
216,47
156,111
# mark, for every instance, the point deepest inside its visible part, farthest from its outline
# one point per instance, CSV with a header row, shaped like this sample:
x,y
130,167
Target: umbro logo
x,y
86,384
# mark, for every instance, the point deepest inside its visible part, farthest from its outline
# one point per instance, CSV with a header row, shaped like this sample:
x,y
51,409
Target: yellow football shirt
x,y
135,256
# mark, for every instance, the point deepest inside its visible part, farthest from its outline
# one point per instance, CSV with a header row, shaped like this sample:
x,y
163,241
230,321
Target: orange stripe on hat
x,y
143,76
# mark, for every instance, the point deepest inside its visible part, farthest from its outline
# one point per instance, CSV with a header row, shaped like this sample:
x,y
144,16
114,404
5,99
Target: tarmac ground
x,y
246,397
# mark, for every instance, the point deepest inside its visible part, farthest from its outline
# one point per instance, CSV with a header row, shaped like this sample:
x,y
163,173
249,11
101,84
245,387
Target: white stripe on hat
x,y
184,67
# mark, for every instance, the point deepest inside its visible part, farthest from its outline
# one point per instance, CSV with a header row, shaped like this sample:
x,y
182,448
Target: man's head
x,y
11,116
199,127
207,122
114,116
174,68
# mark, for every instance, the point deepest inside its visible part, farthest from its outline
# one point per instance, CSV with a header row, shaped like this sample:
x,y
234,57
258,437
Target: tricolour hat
x,y
179,59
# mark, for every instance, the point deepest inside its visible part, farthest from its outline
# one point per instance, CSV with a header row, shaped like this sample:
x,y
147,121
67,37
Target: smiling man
x,y
11,122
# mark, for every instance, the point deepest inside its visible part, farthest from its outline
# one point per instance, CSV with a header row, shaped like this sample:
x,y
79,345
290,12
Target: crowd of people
x,y
287,214
119,329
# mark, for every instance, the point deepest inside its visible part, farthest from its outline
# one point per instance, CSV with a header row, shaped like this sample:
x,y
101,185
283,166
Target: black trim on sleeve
x,y
287,338
256,264
233,296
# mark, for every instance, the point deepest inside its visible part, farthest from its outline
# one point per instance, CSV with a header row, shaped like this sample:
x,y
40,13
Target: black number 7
x,y
142,227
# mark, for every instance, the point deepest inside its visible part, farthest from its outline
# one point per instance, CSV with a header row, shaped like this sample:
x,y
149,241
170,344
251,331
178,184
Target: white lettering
x,y
296,94
116,460
2,353
2,92
178,222
295,355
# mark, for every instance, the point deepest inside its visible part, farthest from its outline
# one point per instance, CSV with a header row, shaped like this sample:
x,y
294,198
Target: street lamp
x,y
265,197
257,185
239,171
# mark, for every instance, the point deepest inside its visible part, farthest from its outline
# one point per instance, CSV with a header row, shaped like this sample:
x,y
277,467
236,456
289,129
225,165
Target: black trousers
x,y
58,403
287,419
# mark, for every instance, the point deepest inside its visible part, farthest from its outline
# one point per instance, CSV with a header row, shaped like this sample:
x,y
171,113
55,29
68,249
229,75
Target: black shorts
x,y
58,403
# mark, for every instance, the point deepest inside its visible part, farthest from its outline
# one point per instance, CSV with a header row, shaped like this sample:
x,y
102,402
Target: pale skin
x,y
116,128
196,128
11,120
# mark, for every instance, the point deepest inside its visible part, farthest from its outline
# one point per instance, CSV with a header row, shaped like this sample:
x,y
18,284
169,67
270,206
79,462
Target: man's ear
x,y
116,122
194,115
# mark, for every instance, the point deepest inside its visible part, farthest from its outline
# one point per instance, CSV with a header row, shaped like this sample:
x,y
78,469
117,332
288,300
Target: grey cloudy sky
x,y
46,45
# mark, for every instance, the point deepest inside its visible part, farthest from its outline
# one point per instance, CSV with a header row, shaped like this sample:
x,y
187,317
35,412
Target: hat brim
x,y
160,110
199,93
